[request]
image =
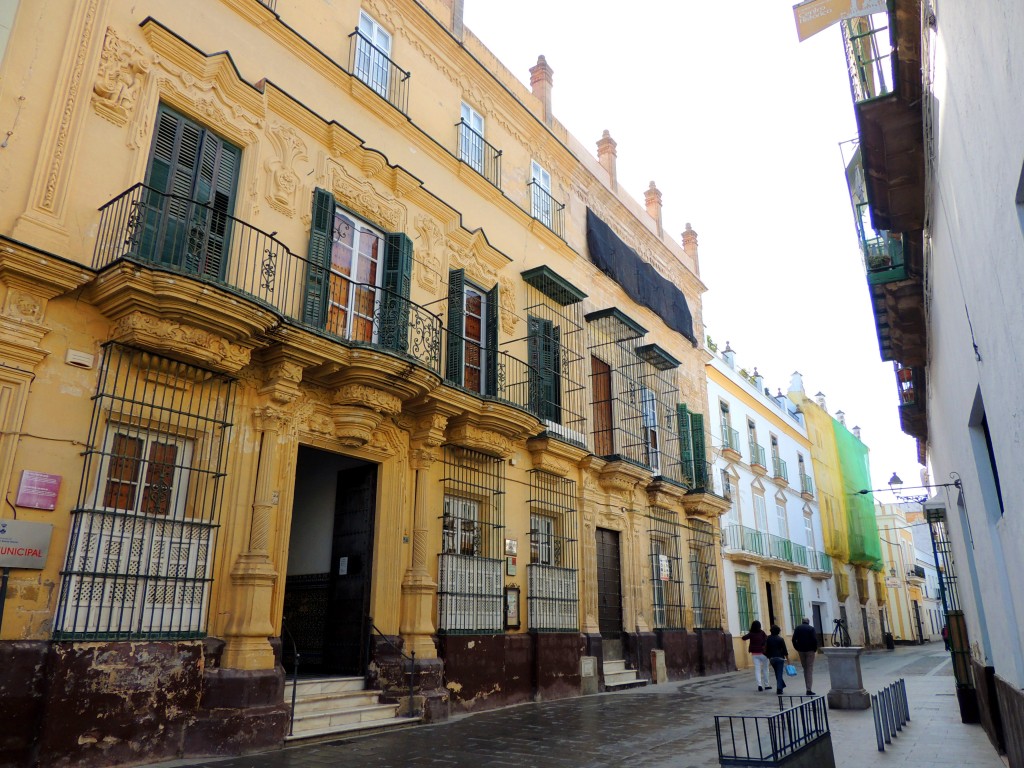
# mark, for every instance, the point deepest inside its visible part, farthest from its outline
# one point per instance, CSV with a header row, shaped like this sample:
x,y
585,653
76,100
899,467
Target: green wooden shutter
x,y
700,467
491,336
543,345
394,316
456,316
318,266
215,192
685,442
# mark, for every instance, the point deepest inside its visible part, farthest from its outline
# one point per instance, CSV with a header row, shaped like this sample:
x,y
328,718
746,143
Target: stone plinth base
x,y
847,683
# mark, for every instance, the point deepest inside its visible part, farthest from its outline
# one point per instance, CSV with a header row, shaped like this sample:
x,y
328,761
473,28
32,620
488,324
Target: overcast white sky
x,y
739,125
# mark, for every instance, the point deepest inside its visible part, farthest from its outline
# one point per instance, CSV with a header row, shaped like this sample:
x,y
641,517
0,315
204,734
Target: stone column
x,y
253,576
418,588
847,684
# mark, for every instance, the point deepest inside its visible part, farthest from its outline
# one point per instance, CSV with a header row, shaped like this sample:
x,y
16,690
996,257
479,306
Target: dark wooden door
x,y
609,584
771,605
351,559
819,625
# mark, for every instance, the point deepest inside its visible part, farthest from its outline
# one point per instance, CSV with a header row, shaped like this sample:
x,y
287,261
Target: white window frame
x,y
372,61
361,232
541,205
782,519
471,144
760,513
809,529
462,527
542,531
471,288
649,423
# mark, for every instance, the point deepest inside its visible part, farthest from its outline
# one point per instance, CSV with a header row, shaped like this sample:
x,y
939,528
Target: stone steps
x,y
617,677
326,706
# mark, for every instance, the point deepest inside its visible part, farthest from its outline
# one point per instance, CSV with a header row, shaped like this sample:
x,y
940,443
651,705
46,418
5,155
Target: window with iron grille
x,y
552,575
667,566
707,613
143,533
470,585
796,603
746,600
556,347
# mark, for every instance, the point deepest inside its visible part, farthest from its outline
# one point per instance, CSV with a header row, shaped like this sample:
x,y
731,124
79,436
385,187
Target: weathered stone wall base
x,y
716,651
240,711
22,684
556,665
389,672
1011,713
636,648
682,653
487,671
988,704
110,703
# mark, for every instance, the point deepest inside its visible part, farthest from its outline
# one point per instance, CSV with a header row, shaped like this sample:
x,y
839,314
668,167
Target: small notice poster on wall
x,y
664,568
38,490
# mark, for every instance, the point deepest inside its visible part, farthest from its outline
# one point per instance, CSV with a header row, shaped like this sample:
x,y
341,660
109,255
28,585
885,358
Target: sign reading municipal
x,y
23,544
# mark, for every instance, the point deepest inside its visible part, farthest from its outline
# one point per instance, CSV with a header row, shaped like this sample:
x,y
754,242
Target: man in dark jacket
x,y
805,641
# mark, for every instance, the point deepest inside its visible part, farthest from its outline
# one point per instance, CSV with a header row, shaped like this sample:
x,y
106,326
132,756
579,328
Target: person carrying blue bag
x,y
777,653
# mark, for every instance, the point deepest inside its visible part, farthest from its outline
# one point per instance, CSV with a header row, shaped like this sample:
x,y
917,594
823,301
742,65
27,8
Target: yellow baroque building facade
x,y
326,350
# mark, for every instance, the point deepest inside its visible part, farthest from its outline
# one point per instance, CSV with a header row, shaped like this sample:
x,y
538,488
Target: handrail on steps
x,y
295,673
403,654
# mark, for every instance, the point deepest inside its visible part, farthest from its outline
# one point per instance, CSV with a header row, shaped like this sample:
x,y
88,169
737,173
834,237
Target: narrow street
x,y
660,726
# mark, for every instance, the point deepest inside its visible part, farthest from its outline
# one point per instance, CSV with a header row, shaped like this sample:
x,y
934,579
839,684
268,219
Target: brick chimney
x,y
690,244
652,197
606,155
541,82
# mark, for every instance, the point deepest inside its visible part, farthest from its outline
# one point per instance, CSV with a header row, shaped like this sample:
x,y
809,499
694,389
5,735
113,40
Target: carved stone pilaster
x,y
282,381
122,70
429,429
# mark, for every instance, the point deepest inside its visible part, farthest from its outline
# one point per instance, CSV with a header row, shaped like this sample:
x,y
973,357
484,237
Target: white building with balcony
x,y
775,567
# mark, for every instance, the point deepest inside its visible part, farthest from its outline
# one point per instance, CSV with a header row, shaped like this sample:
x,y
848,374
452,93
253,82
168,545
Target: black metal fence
x,y
770,739
552,575
375,68
667,568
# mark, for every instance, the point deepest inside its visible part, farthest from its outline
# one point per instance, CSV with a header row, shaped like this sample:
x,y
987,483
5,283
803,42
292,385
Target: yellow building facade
x,y
326,346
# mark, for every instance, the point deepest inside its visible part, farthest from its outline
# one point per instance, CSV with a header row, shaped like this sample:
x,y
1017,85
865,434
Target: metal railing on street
x,y
891,711
752,740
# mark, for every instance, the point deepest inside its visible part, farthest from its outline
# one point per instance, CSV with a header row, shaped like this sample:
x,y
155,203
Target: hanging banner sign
x,y
24,545
664,568
813,16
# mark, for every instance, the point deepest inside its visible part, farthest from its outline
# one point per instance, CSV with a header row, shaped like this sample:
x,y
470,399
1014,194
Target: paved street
x,y
660,726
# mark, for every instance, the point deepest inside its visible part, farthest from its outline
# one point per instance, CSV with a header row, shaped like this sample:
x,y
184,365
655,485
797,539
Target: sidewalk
x,y
660,726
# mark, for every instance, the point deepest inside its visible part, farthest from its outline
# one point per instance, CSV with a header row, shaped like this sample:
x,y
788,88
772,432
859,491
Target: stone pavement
x,y
660,726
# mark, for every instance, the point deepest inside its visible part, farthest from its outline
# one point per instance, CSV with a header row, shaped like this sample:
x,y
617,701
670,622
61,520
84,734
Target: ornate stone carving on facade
x,y
123,66
376,400
483,274
430,269
422,457
182,340
507,302
364,199
282,381
483,440
429,429
23,306
283,181
354,425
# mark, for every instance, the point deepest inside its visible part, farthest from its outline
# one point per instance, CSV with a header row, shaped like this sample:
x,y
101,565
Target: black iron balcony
x,y
806,485
779,469
547,210
869,56
475,152
757,455
375,68
179,235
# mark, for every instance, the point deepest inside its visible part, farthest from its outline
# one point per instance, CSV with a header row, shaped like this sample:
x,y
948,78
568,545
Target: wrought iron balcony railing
x,y
178,235
869,56
779,469
757,455
375,68
806,484
704,480
478,154
547,210
780,548
799,554
746,539
730,438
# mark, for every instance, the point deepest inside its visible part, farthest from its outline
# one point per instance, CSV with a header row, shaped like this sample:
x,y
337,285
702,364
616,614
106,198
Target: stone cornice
x,y
555,456
37,272
705,504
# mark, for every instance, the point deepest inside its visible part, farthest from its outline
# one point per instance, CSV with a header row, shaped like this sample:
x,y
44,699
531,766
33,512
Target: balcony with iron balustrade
x,y
780,471
730,443
378,72
806,487
746,544
478,154
758,464
704,496
545,209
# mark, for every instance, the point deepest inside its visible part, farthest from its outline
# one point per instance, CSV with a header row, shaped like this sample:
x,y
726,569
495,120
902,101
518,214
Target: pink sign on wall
x,y
38,490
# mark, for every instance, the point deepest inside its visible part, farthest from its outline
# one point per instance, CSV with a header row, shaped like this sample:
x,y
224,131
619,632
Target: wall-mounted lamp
x,y
896,487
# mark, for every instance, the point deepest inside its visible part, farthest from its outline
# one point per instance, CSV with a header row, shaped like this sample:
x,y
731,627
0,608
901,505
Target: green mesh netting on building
x,y
865,546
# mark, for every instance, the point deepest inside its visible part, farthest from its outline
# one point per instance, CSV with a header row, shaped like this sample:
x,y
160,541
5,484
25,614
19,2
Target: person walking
x,y
757,639
805,643
777,653
945,635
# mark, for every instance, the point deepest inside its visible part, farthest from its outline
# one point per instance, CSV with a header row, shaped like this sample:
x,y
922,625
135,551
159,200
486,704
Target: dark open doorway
x,y
330,558
771,604
609,593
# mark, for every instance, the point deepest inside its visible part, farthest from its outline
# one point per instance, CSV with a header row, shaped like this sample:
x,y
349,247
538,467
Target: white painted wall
x,y
975,286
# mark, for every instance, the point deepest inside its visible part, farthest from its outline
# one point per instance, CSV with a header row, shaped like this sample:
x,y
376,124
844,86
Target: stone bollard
x,y
847,684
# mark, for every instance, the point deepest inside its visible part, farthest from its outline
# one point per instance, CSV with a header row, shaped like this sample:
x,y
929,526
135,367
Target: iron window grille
x,y
552,575
796,603
667,567
626,411
143,533
470,596
707,612
660,421
746,600
556,349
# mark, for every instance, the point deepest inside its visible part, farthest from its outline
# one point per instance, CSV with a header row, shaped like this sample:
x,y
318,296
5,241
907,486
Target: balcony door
x,y
192,179
373,52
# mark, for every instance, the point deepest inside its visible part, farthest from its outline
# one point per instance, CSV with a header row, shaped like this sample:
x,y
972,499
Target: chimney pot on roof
x,y
541,81
606,155
690,243
819,398
652,198
729,356
856,432
841,417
